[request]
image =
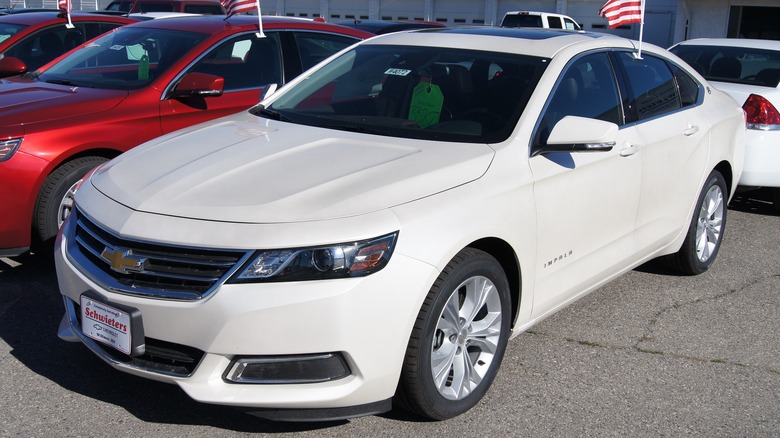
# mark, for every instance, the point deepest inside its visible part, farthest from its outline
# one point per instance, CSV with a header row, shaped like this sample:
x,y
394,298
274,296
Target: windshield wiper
x,y
269,113
61,82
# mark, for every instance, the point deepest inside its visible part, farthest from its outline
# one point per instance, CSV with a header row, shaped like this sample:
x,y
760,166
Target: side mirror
x,y
579,134
199,84
10,66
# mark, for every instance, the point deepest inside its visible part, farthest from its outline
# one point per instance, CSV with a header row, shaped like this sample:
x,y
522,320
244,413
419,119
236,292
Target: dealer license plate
x,y
106,324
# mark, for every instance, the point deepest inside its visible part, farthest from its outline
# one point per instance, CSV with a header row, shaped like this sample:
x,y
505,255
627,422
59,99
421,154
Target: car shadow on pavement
x,y
757,201
30,311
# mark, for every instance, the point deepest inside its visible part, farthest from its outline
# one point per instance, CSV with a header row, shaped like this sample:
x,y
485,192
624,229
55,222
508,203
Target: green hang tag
x,y
143,67
426,105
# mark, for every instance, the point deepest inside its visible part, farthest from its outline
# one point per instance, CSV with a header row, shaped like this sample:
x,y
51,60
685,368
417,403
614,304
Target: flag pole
x,y
641,28
259,34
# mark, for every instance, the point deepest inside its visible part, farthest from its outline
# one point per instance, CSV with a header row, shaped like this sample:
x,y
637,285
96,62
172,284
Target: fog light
x,y
310,368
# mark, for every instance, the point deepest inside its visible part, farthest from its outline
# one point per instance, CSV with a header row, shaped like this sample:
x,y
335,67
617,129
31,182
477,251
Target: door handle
x,y
629,150
692,129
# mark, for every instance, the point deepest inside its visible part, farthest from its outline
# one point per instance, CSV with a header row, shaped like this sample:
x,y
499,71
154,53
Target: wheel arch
x,y
724,168
503,252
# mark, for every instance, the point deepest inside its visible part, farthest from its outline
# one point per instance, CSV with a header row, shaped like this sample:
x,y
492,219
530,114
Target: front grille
x,y
147,269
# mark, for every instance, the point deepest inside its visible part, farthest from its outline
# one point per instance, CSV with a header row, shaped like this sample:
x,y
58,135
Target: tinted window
x,y
586,89
522,21
244,62
555,22
43,46
689,88
127,59
204,9
314,47
733,64
652,86
9,30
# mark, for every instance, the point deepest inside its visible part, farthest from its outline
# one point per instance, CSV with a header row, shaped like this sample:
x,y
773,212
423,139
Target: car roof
x,y
213,24
553,14
33,18
159,15
529,41
733,42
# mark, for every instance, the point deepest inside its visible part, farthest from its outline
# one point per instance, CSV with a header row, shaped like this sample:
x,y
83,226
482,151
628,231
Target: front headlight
x,y
353,259
8,147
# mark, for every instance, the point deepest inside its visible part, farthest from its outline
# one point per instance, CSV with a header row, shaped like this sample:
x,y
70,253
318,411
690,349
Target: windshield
x,y
8,30
414,92
739,65
127,59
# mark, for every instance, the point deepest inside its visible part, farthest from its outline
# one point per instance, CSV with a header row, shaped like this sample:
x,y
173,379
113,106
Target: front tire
x,y
458,340
56,197
705,232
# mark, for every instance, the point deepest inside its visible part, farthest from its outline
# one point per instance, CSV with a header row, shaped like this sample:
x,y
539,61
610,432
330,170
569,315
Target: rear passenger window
x,y
554,22
689,88
653,88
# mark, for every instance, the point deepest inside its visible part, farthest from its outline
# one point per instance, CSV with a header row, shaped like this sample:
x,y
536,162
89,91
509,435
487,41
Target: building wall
x,y
667,21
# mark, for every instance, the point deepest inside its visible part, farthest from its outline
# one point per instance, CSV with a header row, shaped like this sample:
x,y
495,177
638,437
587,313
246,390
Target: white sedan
x,y
375,232
748,70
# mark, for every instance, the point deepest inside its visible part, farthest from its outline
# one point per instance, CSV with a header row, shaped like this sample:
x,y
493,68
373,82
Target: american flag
x,y
238,6
65,6
620,12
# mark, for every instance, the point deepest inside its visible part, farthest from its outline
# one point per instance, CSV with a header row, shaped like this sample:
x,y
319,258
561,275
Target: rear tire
x,y
776,199
705,232
458,340
56,197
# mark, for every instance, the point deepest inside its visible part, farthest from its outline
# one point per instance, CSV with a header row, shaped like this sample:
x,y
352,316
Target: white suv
x,y
539,19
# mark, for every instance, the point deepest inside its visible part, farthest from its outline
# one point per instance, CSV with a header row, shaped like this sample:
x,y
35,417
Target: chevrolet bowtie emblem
x,y
123,260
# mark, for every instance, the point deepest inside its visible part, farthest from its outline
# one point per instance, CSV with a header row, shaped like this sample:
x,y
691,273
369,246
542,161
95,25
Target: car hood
x,y
252,170
26,102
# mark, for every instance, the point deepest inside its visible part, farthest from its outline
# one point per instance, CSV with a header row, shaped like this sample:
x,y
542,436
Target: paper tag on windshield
x,y
426,105
397,72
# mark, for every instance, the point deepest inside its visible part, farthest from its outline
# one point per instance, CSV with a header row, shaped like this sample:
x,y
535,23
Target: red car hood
x,y
26,102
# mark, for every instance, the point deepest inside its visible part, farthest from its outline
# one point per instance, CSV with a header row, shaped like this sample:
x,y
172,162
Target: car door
x,y
586,202
674,141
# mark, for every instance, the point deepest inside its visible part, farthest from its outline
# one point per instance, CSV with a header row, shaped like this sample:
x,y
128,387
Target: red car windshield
x,y
127,59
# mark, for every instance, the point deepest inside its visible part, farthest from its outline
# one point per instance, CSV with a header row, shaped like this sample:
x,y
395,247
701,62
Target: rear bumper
x,y
762,159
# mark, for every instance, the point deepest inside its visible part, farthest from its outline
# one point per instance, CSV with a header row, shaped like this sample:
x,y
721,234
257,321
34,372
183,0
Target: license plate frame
x,y
117,326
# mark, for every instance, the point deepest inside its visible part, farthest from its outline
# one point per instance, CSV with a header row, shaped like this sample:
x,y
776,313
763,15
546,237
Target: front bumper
x,y
367,321
19,176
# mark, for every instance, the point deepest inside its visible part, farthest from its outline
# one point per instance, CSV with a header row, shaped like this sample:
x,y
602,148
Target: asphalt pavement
x,y
650,354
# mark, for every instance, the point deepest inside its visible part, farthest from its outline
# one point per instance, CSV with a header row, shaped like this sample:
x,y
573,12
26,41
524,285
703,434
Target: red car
x,y
38,37
129,86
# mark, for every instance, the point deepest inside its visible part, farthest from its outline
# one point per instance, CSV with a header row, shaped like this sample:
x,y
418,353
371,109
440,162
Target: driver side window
x,y
246,62
587,88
